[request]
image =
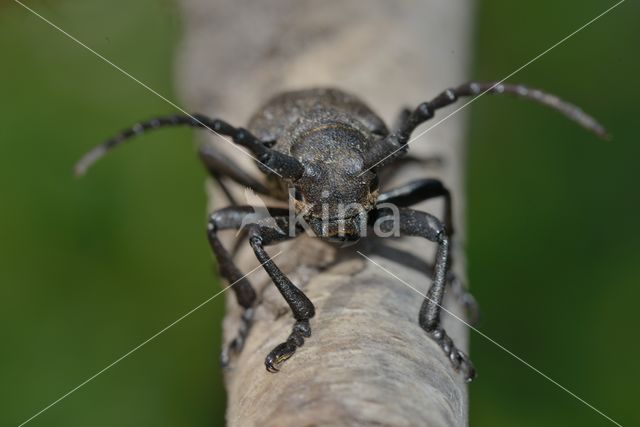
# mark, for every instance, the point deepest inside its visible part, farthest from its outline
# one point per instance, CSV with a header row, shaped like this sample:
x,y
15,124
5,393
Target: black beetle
x,y
328,147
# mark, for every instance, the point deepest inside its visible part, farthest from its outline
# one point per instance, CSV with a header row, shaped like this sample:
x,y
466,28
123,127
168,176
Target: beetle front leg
x,y
225,219
425,189
429,317
422,224
301,307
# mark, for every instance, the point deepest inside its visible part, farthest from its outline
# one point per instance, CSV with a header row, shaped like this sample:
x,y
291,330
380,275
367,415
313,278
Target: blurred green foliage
x,y
89,269
554,236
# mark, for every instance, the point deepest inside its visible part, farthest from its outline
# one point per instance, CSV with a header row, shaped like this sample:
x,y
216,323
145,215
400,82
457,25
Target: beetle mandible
x,y
329,147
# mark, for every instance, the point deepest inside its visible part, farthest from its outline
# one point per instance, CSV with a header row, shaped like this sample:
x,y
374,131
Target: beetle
x,y
328,147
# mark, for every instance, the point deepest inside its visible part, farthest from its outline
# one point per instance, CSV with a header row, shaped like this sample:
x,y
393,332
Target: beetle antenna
x,y
99,151
395,145
426,110
281,164
571,111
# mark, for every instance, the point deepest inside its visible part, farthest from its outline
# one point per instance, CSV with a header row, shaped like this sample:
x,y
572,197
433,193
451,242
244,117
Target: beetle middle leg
x,y
425,189
422,224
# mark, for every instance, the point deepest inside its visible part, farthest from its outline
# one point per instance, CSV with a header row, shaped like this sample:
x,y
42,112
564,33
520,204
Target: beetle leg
x,y
301,307
401,119
417,191
220,166
390,170
425,189
422,224
224,219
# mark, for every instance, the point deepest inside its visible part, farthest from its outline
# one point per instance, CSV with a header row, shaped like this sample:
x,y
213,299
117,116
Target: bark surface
x,y
368,361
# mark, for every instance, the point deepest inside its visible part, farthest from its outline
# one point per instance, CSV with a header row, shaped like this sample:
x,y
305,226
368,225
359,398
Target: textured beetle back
x,y
285,111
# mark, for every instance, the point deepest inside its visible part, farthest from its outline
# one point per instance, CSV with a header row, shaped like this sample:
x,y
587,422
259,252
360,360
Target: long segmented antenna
x,y
571,111
99,151
395,145
278,163
426,110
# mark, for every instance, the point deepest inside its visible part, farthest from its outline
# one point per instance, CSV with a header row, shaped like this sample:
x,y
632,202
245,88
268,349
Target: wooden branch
x,y
367,362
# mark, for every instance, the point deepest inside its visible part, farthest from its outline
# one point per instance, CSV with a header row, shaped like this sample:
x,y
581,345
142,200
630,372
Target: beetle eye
x,y
298,195
374,184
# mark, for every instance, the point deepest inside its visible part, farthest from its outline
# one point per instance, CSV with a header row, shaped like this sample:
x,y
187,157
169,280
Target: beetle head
x,y
333,192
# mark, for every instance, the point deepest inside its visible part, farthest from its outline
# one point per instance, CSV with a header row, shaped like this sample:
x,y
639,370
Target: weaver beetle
x,y
329,147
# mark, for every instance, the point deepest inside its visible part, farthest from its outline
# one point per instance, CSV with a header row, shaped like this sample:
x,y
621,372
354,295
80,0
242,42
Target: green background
x,y
89,269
